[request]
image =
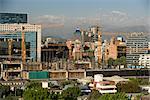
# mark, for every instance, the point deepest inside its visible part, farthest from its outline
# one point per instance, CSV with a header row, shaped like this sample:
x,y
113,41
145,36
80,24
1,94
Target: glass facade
x,y
13,18
30,40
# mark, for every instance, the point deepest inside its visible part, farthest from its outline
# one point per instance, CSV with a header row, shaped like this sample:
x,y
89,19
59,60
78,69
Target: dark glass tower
x,y
11,18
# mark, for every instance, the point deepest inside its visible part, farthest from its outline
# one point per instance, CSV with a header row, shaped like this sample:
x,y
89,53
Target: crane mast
x,y
23,46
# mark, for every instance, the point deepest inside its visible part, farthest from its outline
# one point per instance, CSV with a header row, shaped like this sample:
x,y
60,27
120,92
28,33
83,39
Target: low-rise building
x,y
103,86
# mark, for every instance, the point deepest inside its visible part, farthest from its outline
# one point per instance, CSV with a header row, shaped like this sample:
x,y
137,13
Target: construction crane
x,y
9,48
23,46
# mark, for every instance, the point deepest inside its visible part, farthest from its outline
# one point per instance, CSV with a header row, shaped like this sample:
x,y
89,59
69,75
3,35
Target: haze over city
x,y
74,50
59,18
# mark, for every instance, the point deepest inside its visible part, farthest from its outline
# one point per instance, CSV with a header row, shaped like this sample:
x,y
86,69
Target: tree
x,y
53,96
94,95
19,92
33,84
140,81
116,62
67,82
34,91
123,60
11,98
128,87
35,94
4,91
71,93
110,62
117,96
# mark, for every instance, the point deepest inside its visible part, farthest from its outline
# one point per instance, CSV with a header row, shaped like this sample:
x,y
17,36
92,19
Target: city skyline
x,y
62,17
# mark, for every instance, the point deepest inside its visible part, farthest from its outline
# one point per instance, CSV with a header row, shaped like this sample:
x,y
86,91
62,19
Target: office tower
x,y
11,18
11,41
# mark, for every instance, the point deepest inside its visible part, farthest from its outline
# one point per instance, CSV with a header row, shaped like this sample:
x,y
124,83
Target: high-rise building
x,y
11,18
137,44
11,41
144,60
149,46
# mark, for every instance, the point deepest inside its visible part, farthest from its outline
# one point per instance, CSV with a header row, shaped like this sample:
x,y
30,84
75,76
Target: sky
x,y
61,17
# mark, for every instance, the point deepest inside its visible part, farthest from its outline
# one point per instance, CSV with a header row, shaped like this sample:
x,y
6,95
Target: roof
x,y
115,79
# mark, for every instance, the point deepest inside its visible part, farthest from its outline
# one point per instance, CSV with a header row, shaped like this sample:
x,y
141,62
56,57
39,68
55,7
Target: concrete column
x,y
67,74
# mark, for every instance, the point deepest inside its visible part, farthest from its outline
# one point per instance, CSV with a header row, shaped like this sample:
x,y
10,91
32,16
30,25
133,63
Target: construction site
x,y
23,56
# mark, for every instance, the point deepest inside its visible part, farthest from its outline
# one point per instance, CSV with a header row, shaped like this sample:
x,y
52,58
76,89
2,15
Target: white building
x,y
32,37
145,60
103,86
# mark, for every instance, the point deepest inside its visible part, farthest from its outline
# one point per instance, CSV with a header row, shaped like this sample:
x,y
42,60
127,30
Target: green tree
x,y
71,93
53,96
128,87
117,96
67,82
33,84
34,91
123,60
35,94
110,62
11,98
119,62
4,91
140,81
19,92
94,95
116,62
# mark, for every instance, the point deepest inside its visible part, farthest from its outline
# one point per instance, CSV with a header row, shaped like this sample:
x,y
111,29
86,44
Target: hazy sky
x,y
63,16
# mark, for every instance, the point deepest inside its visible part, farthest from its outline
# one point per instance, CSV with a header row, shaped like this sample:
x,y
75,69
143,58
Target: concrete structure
x,y
115,49
13,32
82,64
112,49
144,60
53,51
11,70
99,48
12,18
77,50
67,74
137,44
17,71
105,52
121,49
88,47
